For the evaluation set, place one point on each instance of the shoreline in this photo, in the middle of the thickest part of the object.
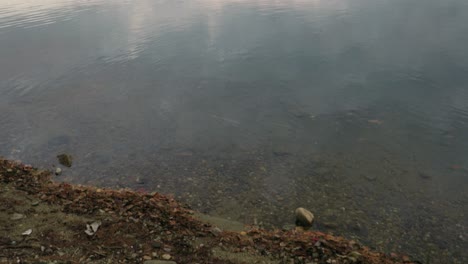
(126, 226)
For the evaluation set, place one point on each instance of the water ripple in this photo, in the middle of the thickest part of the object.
(30, 13)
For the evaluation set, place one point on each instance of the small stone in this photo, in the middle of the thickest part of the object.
(299, 229)
(216, 231)
(424, 176)
(58, 171)
(167, 249)
(146, 257)
(157, 245)
(65, 160)
(166, 256)
(16, 216)
(35, 203)
(27, 232)
(288, 227)
(304, 217)
(243, 233)
(139, 180)
(370, 177)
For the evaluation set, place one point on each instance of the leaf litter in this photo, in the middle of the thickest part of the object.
(133, 227)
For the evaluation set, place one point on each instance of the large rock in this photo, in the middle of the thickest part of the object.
(304, 217)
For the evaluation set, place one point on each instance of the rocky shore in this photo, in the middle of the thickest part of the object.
(46, 222)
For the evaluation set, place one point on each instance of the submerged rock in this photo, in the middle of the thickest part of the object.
(216, 231)
(58, 171)
(16, 216)
(304, 217)
(65, 160)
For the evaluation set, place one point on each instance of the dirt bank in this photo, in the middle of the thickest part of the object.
(45, 222)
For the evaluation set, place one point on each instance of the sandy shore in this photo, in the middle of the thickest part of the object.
(46, 222)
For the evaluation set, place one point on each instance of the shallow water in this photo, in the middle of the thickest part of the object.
(355, 109)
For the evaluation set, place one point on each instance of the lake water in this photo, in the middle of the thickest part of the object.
(354, 109)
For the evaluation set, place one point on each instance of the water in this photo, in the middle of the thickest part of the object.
(355, 109)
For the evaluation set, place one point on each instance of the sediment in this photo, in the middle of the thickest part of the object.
(140, 227)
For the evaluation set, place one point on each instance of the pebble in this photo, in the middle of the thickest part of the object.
(288, 227)
(139, 180)
(424, 176)
(166, 256)
(65, 160)
(156, 245)
(58, 171)
(370, 177)
(304, 217)
(216, 231)
(16, 216)
(27, 232)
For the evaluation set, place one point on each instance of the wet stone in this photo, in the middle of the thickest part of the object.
(156, 245)
(16, 216)
(65, 160)
(370, 177)
(216, 231)
(288, 227)
(424, 175)
(304, 217)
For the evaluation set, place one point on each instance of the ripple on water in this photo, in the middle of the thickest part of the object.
(33, 13)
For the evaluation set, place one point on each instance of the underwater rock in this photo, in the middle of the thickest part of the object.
(65, 160)
(424, 176)
(304, 217)
(58, 171)
(216, 231)
(16, 216)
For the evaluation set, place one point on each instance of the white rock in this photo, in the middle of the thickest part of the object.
(304, 217)
(58, 171)
(27, 232)
(95, 226)
(92, 228)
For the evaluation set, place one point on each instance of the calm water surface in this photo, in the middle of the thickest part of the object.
(355, 109)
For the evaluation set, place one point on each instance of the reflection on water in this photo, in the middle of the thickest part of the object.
(357, 110)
